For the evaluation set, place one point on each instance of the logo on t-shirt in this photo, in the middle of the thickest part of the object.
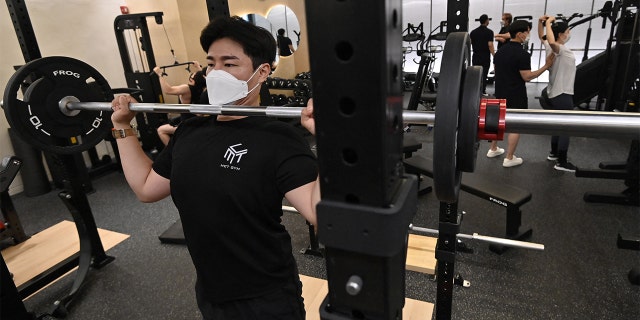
(234, 153)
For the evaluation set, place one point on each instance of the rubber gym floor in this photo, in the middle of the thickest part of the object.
(581, 274)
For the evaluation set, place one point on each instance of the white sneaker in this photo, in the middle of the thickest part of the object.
(497, 152)
(512, 163)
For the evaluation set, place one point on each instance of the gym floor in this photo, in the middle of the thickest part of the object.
(581, 274)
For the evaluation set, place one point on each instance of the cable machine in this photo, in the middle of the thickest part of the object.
(138, 61)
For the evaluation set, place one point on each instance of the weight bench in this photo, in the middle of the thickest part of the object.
(502, 194)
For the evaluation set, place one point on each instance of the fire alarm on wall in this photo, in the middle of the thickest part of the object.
(124, 9)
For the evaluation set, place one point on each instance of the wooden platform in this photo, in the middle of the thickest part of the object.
(47, 248)
(314, 291)
(421, 254)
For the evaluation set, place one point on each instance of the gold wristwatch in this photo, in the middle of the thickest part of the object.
(123, 133)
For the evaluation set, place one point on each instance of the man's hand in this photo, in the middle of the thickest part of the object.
(306, 118)
(157, 71)
(122, 116)
(549, 60)
(197, 65)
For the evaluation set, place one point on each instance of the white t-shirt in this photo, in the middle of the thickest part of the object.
(562, 73)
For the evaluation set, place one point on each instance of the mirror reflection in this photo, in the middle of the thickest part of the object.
(285, 28)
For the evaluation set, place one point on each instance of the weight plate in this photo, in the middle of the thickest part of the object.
(37, 117)
(468, 142)
(455, 59)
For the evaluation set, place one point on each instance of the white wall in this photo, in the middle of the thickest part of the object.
(431, 12)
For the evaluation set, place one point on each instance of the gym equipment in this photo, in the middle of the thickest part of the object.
(138, 60)
(357, 206)
(164, 73)
(625, 170)
(493, 240)
(55, 115)
(507, 196)
(10, 227)
(72, 171)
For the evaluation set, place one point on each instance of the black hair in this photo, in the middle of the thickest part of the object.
(281, 32)
(518, 26)
(257, 42)
(559, 27)
(198, 79)
(483, 18)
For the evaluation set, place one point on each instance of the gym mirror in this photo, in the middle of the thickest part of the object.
(282, 17)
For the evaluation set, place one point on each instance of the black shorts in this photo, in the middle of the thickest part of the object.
(283, 304)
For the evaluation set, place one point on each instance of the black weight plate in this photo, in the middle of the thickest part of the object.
(455, 59)
(37, 117)
(468, 142)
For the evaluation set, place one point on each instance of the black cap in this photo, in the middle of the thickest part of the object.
(483, 18)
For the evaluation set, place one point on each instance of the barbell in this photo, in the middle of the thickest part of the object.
(493, 240)
(56, 113)
(66, 109)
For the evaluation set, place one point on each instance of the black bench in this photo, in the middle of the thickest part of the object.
(499, 193)
(410, 145)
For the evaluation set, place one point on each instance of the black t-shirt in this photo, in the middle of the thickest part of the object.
(502, 31)
(480, 38)
(283, 46)
(508, 61)
(228, 180)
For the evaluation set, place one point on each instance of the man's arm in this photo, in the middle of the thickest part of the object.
(502, 37)
(306, 198)
(136, 165)
(169, 89)
(528, 75)
(491, 49)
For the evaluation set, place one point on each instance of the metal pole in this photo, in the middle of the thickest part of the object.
(571, 123)
(475, 236)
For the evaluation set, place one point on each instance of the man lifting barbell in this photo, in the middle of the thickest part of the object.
(227, 175)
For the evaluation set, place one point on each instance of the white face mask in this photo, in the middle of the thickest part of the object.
(502, 23)
(224, 88)
(527, 38)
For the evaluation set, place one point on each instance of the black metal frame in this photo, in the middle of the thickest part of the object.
(147, 84)
(13, 227)
(74, 179)
(362, 217)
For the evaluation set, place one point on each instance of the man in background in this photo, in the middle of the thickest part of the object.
(482, 45)
(503, 35)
